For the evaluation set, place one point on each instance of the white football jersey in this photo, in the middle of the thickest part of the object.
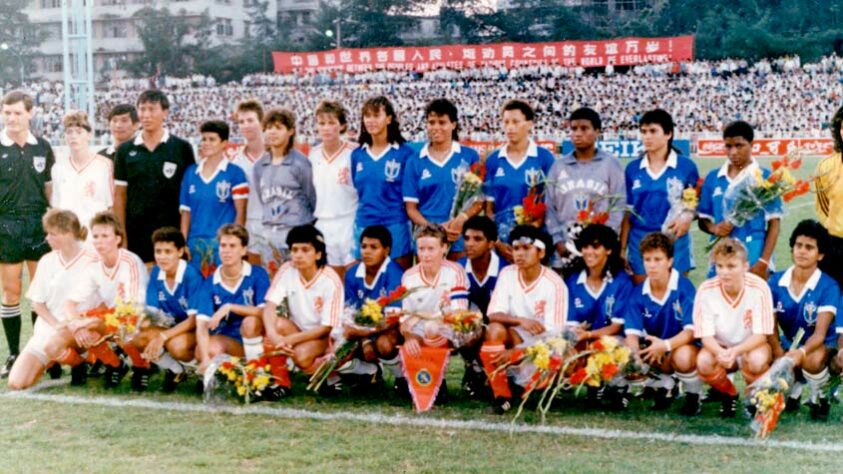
(54, 277)
(448, 289)
(101, 285)
(730, 321)
(336, 195)
(314, 303)
(85, 191)
(545, 299)
(238, 156)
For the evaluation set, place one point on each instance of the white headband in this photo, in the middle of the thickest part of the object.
(537, 243)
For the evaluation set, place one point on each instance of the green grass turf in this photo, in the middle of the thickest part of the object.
(42, 436)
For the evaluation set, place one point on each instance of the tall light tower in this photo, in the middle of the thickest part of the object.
(76, 33)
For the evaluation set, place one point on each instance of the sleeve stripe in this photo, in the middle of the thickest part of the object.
(184, 208)
(118, 182)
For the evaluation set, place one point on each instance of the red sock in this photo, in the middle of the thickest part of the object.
(499, 384)
(134, 354)
(70, 357)
(105, 354)
(278, 367)
(719, 381)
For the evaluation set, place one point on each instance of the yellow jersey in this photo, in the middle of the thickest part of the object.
(829, 197)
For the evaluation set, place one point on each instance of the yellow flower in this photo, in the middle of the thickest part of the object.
(783, 384)
(557, 344)
(372, 311)
(786, 176)
(540, 355)
(241, 390)
(260, 382)
(689, 198)
(471, 178)
(609, 343)
(621, 355)
(519, 214)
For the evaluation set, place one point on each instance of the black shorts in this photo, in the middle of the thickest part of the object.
(22, 238)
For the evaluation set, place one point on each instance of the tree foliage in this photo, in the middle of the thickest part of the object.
(20, 37)
(173, 44)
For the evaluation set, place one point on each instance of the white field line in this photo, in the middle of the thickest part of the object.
(416, 421)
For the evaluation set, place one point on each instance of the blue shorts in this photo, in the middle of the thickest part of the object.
(402, 241)
(683, 257)
(230, 328)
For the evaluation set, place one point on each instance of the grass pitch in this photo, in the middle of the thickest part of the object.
(55, 433)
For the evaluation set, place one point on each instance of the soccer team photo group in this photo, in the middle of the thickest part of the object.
(455, 266)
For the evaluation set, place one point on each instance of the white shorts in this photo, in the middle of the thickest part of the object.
(339, 239)
(270, 242)
(37, 344)
(255, 229)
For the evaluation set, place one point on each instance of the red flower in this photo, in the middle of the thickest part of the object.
(600, 218)
(227, 365)
(796, 164)
(777, 164)
(382, 301)
(578, 377)
(609, 371)
(582, 216)
(479, 169)
(250, 376)
(803, 187)
(597, 346)
(555, 363)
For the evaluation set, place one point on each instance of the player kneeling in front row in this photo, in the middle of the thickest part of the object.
(660, 310)
(173, 291)
(529, 301)
(231, 301)
(48, 291)
(806, 298)
(733, 315)
(376, 276)
(312, 293)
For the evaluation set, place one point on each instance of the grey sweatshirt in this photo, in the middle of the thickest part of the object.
(285, 190)
(572, 183)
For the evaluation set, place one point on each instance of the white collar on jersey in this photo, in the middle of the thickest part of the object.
(392, 146)
(455, 148)
(672, 285)
(532, 150)
(139, 137)
(162, 275)
(493, 271)
(247, 270)
(361, 272)
(724, 170)
(6, 141)
(222, 166)
(811, 284)
(672, 160)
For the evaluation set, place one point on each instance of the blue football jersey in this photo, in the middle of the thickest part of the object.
(712, 206)
(211, 202)
(507, 185)
(480, 292)
(821, 294)
(598, 309)
(378, 181)
(251, 291)
(178, 302)
(644, 315)
(387, 280)
(646, 193)
(432, 185)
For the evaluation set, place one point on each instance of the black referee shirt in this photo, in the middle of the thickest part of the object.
(153, 181)
(24, 172)
(110, 152)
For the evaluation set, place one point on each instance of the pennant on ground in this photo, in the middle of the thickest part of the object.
(424, 374)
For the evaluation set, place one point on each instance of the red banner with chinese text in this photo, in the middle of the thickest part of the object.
(619, 52)
(769, 146)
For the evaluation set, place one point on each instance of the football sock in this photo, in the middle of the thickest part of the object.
(691, 381)
(70, 357)
(498, 383)
(358, 367)
(253, 347)
(167, 362)
(134, 354)
(720, 381)
(394, 366)
(11, 326)
(817, 383)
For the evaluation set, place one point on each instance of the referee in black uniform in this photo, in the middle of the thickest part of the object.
(123, 123)
(147, 176)
(25, 166)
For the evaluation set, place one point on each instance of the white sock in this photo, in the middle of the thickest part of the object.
(167, 362)
(795, 391)
(691, 381)
(817, 383)
(358, 367)
(253, 347)
(394, 366)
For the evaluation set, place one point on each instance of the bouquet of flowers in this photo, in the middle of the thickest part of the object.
(532, 208)
(462, 327)
(682, 199)
(585, 217)
(206, 256)
(753, 193)
(369, 315)
(767, 393)
(247, 379)
(606, 359)
(121, 322)
(277, 257)
(469, 189)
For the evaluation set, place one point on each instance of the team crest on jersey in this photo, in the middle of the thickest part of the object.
(318, 304)
(183, 303)
(360, 294)
(223, 190)
(500, 173)
(677, 310)
(747, 319)
(581, 202)
(425, 174)
(610, 306)
(647, 313)
(39, 163)
(191, 189)
(533, 176)
(344, 177)
(809, 313)
(636, 184)
(391, 170)
(161, 296)
(169, 169)
(90, 189)
(779, 307)
(458, 172)
(359, 167)
(539, 308)
(249, 296)
(578, 303)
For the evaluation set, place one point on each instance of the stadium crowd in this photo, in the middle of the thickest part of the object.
(778, 97)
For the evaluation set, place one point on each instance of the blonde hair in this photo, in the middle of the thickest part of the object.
(64, 221)
(108, 218)
(728, 247)
(76, 118)
(432, 230)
